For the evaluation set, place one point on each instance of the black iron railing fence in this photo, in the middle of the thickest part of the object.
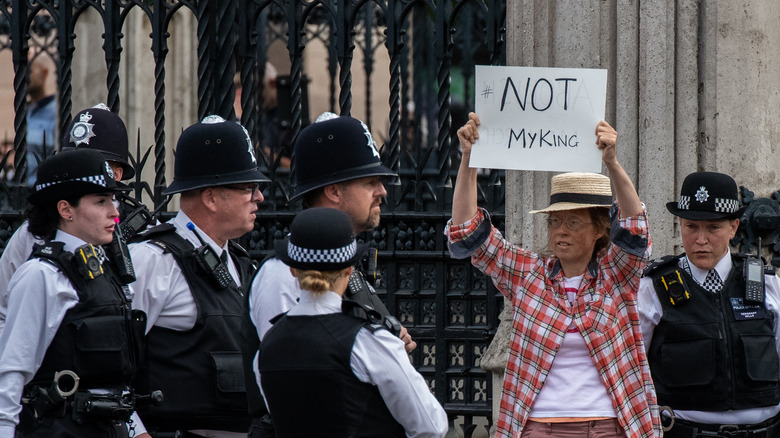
(431, 48)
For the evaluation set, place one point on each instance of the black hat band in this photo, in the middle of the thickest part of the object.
(580, 198)
(721, 205)
(93, 179)
(331, 255)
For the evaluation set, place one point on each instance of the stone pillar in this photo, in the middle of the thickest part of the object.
(691, 86)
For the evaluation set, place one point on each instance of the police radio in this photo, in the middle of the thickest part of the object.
(120, 256)
(209, 261)
(754, 276)
(754, 280)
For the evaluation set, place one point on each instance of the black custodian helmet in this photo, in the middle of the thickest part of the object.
(334, 149)
(212, 153)
(100, 129)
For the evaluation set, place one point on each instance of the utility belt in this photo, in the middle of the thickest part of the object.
(690, 429)
(64, 397)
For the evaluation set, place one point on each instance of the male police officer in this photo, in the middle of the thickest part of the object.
(335, 164)
(193, 282)
(92, 128)
(710, 322)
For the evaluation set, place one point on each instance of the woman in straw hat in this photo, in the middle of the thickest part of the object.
(68, 350)
(327, 373)
(576, 363)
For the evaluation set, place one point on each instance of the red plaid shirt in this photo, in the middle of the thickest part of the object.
(605, 314)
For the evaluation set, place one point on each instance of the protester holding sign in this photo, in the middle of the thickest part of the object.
(576, 362)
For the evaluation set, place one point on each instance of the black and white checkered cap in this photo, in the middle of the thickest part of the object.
(707, 196)
(335, 255)
(72, 173)
(92, 179)
(320, 239)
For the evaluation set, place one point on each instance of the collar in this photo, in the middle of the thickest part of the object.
(41, 103)
(317, 303)
(71, 242)
(593, 267)
(181, 220)
(723, 268)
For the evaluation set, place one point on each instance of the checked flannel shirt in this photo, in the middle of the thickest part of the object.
(605, 314)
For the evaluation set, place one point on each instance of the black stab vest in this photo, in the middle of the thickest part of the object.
(201, 371)
(703, 358)
(100, 338)
(310, 388)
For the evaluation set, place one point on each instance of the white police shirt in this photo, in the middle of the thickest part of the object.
(650, 312)
(39, 296)
(16, 252)
(379, 358)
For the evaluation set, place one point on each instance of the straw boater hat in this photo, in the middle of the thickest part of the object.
(574, 190)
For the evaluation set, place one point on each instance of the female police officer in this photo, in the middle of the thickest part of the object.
(325, 372)
(69, 347)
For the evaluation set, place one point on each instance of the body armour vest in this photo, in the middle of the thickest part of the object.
(714, 351)
(310, 387)
(200, 371)
(100, 338)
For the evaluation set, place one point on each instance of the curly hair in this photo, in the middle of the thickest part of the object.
(43, 220)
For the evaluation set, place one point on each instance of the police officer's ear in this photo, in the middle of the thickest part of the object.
(65, 209)
(734, 226)
(333, 194)
(208, 198)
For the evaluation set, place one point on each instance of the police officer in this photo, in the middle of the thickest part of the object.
(69, 348)
(325, 372)
(335, 164)
(710, 322)
(193, 283)
(92, 128)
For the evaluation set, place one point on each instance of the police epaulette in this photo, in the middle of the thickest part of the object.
(160, 245)
(151, 232)
(654, 264)
(48, 250)
(373, 320)
(769, 270)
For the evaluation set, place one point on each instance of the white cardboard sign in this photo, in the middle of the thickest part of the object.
(537, 118)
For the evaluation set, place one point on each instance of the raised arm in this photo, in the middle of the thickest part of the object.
(606, 139)
(464, 197)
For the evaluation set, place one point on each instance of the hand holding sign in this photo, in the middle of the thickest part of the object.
(539, 118)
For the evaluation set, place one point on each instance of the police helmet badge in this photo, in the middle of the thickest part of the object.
(81, 131)
(371, 142)
(702, 195)
(109, 170)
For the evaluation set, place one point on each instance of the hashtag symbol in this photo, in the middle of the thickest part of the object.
(487, 91)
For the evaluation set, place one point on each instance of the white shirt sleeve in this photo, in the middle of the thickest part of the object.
(772, 300)
(39, 297)
(16, 252)
(650, 310)
(274, 291)
(379, 358)
(160, 289)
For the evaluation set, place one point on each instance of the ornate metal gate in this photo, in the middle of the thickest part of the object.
(451, 310)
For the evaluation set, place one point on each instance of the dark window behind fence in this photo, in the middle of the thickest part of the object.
(432, 47)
